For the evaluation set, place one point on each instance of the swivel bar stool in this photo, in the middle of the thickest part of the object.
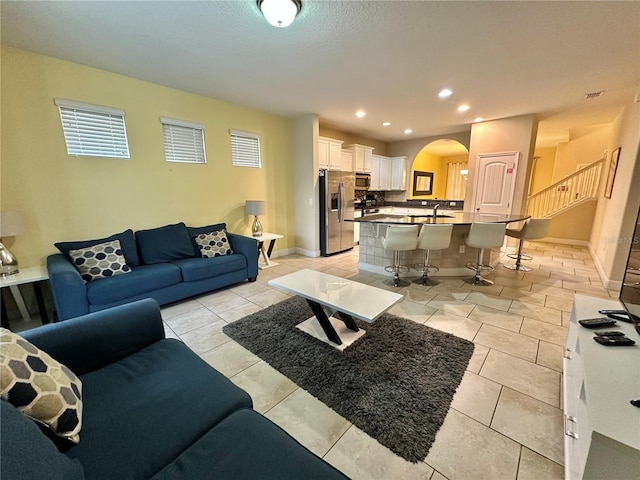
(432, 237)
(533, 229)
(481, 236)
(399, 238)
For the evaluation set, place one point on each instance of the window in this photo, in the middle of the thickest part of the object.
(183, 141)
(245, 149)
(92, 130)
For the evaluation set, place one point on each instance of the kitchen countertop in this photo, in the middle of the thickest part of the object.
(450, 217)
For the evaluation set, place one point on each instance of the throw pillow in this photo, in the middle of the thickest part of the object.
(213, 244)
(126, 239)
(195, 231)
(39, 386)
(164, 244)
(99, 261)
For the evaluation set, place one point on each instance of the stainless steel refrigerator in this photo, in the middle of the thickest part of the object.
(337, 192)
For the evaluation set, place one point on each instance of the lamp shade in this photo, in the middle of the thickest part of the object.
(255, 207)
(10, 224)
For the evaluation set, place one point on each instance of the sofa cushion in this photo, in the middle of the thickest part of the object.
(146, 409)
(28, 454)
(248, 446)
(194, 269)
(164, 244)
(126, 239)
(39, 386)
(195, 231)
(140, 280)
(213, 244)
(103, 260)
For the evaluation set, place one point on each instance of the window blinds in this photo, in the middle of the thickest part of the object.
(183, 141)
(92, 130)
(245, 149)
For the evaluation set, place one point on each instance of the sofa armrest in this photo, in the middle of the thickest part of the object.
(248, 247)
(92, 341)
(68, 288)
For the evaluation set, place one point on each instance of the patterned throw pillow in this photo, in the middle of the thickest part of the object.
(213, 244)
(100, 261)
(39, 386)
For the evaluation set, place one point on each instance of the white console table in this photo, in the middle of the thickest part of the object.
(266, 256)
(602, 429)
(33, 275)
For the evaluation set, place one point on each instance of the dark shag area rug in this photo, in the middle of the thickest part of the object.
(395, 383)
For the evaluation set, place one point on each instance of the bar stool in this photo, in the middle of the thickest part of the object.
(399, 238)
(533, 229)
(481, 236)
(432, 237)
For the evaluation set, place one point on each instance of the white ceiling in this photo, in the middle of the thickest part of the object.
(389, 58)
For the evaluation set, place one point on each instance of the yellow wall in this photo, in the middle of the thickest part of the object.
(428, 162)
(71, 198)
(584, 149)
(542, 175)
(379, 147)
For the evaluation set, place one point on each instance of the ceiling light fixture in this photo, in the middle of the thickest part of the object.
(386, 124)
(445, 93)
(280, 13)
(360, 114)
(408, 131)
(478, 119)
(463, 108)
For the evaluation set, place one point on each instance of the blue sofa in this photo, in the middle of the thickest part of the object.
(165, 264)
(152, 409)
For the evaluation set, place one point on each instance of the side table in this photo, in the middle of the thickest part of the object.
(271, 238)
(33, 275)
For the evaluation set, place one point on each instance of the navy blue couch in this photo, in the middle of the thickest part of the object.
(165, 263)
(152, 409)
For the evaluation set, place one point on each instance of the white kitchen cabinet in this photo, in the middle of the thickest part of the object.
(356, 227)
(329, 153)
(380, 173)
(361, 157)
(601, 427)
(346, 161)
(398, 173)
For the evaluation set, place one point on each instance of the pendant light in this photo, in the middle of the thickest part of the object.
(280, 13)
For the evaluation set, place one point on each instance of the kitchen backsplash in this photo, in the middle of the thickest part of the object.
(387, 198)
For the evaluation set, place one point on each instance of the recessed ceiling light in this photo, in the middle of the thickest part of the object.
(408, 131)
(444, 93)
(463, 108)
(386, 124)
(360, 114)
(478, 119)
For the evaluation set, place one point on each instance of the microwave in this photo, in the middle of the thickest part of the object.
(363, 181)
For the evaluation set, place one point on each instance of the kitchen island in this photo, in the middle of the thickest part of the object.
(452, 261)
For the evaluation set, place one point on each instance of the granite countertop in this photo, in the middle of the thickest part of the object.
(450, 217)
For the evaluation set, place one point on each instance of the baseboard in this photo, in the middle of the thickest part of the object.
(566, 241)
(307, 253)
(606, 281)
(283, 252)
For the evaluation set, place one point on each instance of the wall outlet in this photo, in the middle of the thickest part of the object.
(424, 202)
(452, 204)
(461, 249)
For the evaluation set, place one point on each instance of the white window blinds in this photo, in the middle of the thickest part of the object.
(183, 141)
(93, 130)
(245, 149)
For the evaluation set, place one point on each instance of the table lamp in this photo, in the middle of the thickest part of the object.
(255, 208)
(10, 226)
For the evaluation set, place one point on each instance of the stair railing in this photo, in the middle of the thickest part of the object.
(572, 190)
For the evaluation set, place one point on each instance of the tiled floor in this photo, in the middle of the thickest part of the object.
(505, 421)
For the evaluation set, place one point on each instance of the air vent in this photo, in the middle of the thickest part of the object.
(593, 95)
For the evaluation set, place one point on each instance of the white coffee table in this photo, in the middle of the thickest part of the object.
(327, 294)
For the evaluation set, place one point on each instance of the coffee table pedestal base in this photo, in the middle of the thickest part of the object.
(312, 327)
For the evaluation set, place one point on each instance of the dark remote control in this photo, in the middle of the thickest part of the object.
(623, 318)
(614, 341)
(597, 322)
(618, 312)
(610, 333)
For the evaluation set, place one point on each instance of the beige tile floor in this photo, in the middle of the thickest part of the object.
(505, 421)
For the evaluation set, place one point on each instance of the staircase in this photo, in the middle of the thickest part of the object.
(575, 189)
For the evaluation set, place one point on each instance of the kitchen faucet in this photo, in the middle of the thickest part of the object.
(435, 212)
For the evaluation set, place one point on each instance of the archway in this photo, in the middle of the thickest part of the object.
(445, 159)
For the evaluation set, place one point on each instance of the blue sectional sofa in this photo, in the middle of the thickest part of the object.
(163, 263)
(151, 409)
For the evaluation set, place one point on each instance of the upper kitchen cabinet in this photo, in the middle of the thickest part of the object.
(398, 173)
(361, 157)
(380, 173)
(346, 161)
(329, 153)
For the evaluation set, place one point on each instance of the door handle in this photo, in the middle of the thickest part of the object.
(340, 202)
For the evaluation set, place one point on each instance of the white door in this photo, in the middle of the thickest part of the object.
(495, 182)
